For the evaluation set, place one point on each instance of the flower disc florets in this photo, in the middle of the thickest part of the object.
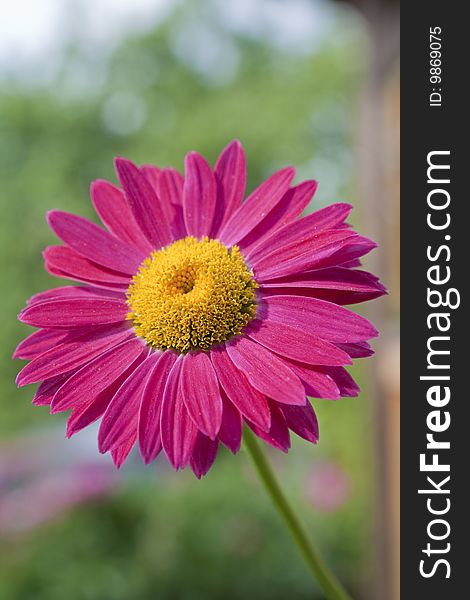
(191, 295)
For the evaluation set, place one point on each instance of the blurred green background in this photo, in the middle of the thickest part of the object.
(151, 81)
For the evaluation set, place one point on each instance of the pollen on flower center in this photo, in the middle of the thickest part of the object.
(191, 295)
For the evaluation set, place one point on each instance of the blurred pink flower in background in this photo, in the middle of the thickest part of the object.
(327, 486)
(39, 482)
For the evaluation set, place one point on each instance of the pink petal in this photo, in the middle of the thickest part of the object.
(339, 297)
(121, 417)
(200, 390)
(246, 399)
(89, 409)
(291, 205)
(120, 454)
(94, 243)
(178, 431)
(47, 389)
(145, 206)
(351, 264)
(203, 456)
(97, 375)
(75, 312)
(346, 384)
(334, 278)
(323, 319)
(230, 175)
(296, 343)
(113, 210)
(300, 230)
(74, 266)
(331, 216)
(256, 206)
(150, 409)
(353, 249)
(266, 372)
(73, 291)
(199, 195)
(357, 350)
(317, 383)
(152, 174)
(39, 342)
(170, 190)
(72, 353)
(230, 433)
(86, 413)
(95, 285)
(344, 298)
(302, 420)
(302, 255)
(168, 186)
(350, 287)
(278, 434)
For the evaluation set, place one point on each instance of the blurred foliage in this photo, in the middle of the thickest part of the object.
(177, 538)
(172, 537)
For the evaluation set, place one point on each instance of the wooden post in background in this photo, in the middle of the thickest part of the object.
(377, 146)
(378, 159)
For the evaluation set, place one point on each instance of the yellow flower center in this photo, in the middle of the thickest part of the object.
(191, 295)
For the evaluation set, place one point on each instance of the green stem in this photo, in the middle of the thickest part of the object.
(332, 589)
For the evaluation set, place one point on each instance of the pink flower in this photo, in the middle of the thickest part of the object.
(198, 311)
(327, 486)
(32, 494)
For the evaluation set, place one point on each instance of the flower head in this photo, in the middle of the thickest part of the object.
(198, 311)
